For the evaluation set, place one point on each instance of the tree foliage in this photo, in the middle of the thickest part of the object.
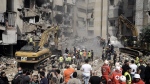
(145, 36)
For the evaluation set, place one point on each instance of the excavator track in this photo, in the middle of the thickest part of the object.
(131, 52)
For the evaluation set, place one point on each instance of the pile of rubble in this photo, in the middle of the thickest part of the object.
(8, 65)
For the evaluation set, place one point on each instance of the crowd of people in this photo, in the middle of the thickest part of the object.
(75, 68)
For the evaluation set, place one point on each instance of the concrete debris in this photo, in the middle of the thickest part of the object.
(9, 66)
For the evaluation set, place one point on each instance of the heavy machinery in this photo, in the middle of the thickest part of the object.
(134, 46)
(128, 24)
(31, 55)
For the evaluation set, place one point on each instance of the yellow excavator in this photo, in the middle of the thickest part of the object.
(131, 41)
(124, 20)
(31, 55)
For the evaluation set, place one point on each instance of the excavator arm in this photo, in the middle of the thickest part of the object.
(45, 36)
(128, 24)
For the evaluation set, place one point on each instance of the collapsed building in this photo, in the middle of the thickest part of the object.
(20, 19)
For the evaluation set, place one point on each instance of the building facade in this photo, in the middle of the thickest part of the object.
(136, 11)
(116, 8)
(91, 18)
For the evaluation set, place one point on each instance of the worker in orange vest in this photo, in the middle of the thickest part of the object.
(84, 54)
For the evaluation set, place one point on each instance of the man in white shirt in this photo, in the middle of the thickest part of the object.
(86, 71)
(133, 67)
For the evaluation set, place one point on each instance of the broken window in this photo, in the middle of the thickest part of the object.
(27, 3)
(10, 5)
(59, 8)
(112, 22)
(37, 18)
(69, 9)
(111, 2)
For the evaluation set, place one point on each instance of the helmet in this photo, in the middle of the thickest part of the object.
(117, 64)
(137, 76)
(106, 62)
(117, 68)
(122, 78)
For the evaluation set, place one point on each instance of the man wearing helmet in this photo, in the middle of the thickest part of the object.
(122, 80)
(117, 64)
(137, 79)
(105, 69)
(115, 75)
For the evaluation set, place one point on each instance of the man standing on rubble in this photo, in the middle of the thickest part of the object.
(81, 55)
(92, 54)
(84, 55)
(89, 55)
(61, 59)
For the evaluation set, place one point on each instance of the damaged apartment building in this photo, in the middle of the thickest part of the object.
(20, 19)
(136, 11)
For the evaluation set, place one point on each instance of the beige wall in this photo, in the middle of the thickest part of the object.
(105, 19)
(100, 21)
(97, 18)
(19, 22)
(2, 6)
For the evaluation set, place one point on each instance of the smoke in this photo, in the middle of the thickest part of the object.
(83, 43)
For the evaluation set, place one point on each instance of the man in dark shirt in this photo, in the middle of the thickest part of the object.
(66, 51)
(141, 70)
(115, 57)
(43, 78)
(95, 79)
(92, 54)
(125, 66)
(147, 72)
(49, 75)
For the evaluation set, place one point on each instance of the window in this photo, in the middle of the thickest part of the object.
(90, 32)
(59, 8)
(111, 2)
(69, 9)
(91, 23)
(27, 3)
(112, 22)
(131, 2)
